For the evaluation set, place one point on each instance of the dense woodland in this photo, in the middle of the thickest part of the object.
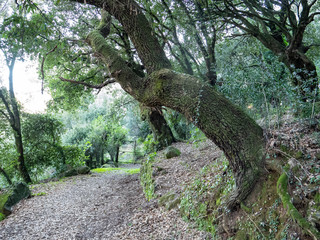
(128, 78)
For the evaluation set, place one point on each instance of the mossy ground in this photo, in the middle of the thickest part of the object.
(263, 215)
(103, 170)
(201, 199)
(132, 171)
(126, 170)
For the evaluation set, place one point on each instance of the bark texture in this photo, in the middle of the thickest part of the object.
(226, 125)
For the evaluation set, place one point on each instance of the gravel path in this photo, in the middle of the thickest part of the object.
(109, 206)
(82, 207)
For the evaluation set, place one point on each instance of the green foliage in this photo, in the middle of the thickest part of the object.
(200, 200)
(98, 128)
(146, 180)
(178, 124)
(15, 42)
(8, 155)
(74, 155)
(255, 79)
(149, 144)
(3, 200)
(41, 137)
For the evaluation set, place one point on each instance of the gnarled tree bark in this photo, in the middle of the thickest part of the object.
(225, 124)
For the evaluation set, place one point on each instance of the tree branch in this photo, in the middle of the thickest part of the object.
(105, 83)
(42, 65)
(5, 115)
(6, 104)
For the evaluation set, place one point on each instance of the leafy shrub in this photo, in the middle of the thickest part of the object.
(149, 145)
(200, 199)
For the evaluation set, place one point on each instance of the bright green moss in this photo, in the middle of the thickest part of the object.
(102, 170)
(2, 216)
(3, 200)
(132, 171)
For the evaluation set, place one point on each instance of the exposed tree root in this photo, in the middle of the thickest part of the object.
(282, 189)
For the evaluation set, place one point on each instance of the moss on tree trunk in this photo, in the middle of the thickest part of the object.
(225, 124)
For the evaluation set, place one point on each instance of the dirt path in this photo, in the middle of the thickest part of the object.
(109, 206)
(82, 207)
(104, 206)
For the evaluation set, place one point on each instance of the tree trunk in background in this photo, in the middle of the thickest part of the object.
(159, 127)
(4, 173)
(117, 156)
(304, 74)
(102, 156)
(16, 126)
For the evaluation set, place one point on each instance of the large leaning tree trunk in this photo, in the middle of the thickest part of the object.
(13, 117)
(225, 124)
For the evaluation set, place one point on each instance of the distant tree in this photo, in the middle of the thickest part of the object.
(280, 26)
(8, 154)
(41, 136)
(99, 128)
(14, 44)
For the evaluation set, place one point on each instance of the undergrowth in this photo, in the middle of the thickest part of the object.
(146, 177)
(200, 200)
